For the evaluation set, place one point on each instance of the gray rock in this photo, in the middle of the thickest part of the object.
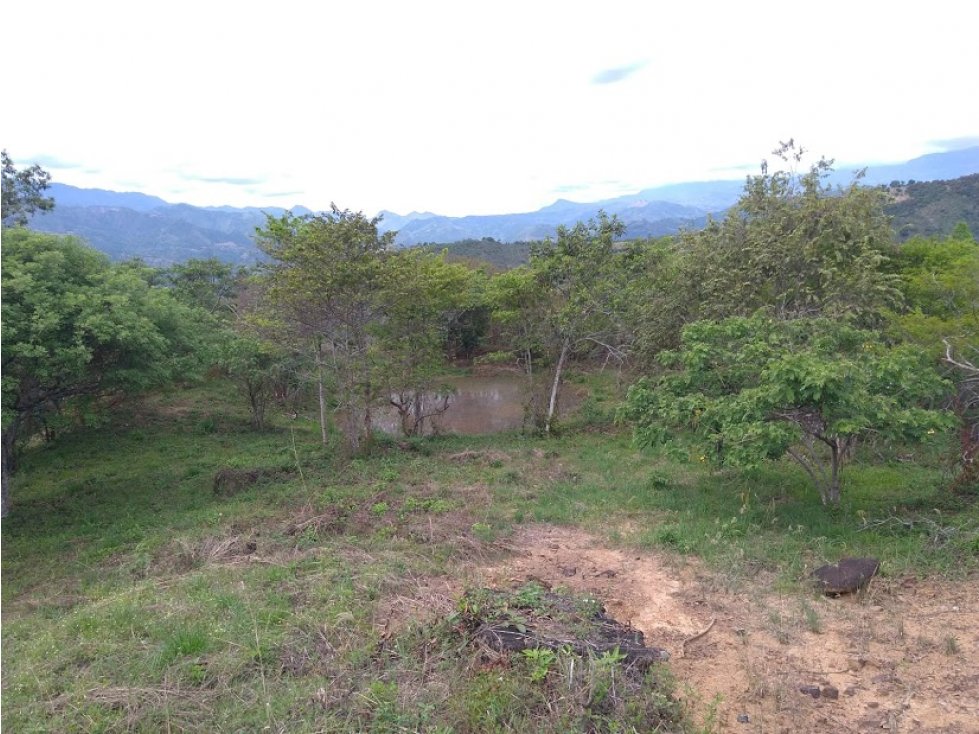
(810, 691)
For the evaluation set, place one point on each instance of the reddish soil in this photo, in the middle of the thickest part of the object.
(902, 657)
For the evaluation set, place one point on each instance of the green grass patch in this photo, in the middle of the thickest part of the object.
(136, 598)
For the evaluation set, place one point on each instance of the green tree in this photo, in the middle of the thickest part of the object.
(422, 296)
(752, 389)
(76, 327)
(569, 300)
(210, 284)
(255, 365)
(793, 247)
(940, 280)
(23, 192)
(321, 290)
(374, 319)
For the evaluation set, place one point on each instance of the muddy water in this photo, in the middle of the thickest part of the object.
(478, 405)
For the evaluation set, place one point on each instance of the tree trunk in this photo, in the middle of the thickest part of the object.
(256, 400)
(838, 451)
(368, 420)
(324, 432)
(418, 408)
(9, 438)
(555, 386)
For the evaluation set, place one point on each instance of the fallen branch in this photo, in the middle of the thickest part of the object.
(702, 633)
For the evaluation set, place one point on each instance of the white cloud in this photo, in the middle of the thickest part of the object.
(459, 108)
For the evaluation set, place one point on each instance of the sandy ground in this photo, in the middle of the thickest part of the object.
(903, 657)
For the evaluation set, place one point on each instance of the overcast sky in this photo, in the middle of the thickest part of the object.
(468, 108)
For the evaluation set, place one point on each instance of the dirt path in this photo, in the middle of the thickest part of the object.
(903, 658)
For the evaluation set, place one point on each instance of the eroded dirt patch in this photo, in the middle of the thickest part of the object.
(900, 658)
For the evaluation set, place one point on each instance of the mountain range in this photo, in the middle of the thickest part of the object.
(132, 224)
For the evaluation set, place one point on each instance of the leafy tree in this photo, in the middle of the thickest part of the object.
(752, 389)
(570, 299)
(658, 300)
(519, 308)
(373, 318)
(23, 192)
(210, 284)
(940, 279)
(793, 247)
(321, 290)
(421, 297)
(255, 365)
(76, 327)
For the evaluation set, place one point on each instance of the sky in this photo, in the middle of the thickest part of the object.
(472, 107)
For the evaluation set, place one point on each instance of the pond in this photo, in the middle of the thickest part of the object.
(479, 404)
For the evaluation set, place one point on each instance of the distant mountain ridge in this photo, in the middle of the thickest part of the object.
(664, 209)
(131, 224)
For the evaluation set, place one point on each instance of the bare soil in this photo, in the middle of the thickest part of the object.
(901, 657)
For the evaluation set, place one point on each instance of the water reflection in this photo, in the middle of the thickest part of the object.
(479, 405)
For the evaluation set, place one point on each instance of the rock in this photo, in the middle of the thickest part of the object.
(846, 576)
(810, 691)
(830, 692)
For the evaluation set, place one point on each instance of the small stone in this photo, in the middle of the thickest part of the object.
(850, 691)
(873, 704)
(831, 692)
(810, 691)
(744, 719)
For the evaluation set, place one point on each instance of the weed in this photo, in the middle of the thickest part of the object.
(539, 659)
(389, 475)
(813, 622)
(951, 645)
(483, 532)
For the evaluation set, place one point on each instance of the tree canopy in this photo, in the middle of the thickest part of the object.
(75, 326)
(373, 318)
(757, 388)
(23, 192)
(794, 247)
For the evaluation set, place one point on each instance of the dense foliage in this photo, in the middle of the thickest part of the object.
(23, 192)
(799, 290)
(77, 328)
(372, 318)
(756, 389)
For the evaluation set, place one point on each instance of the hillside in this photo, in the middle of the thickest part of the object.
(929, 208)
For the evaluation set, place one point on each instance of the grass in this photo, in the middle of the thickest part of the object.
(136, 599)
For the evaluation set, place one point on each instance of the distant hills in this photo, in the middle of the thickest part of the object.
(929, 208)
(130, 224)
